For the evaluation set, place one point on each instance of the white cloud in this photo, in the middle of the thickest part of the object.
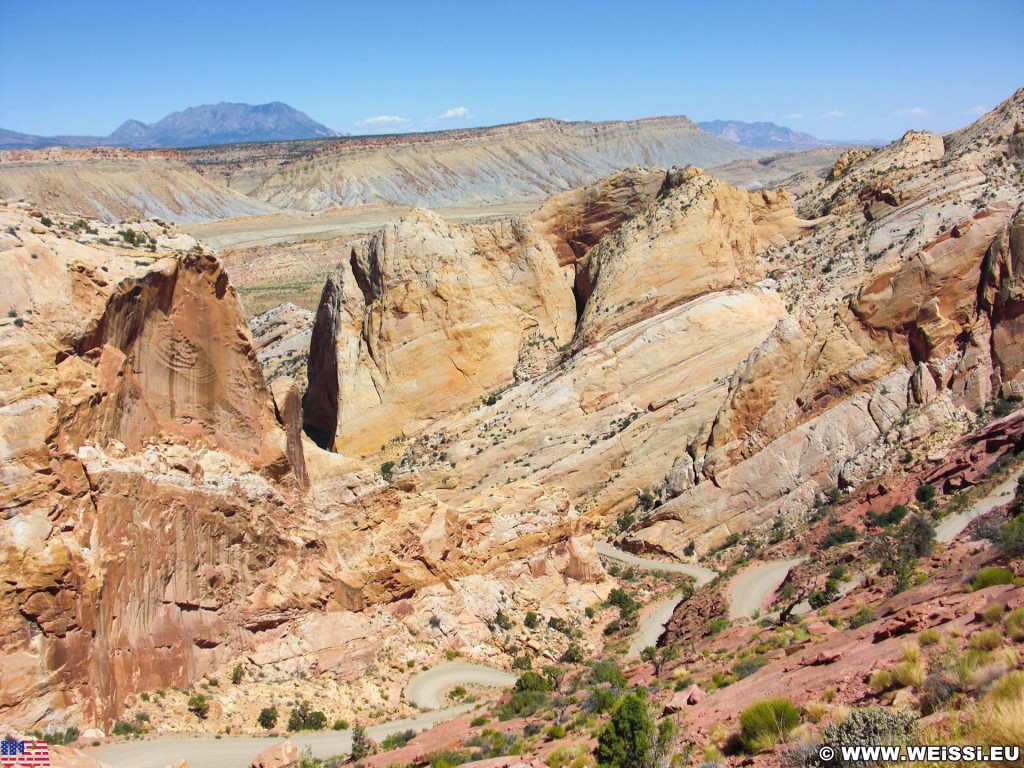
(911, 112)
(456, 112)
(978, 110)
(384, 120)
(835, 113)
(797, 116)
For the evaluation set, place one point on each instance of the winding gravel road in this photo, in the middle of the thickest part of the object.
(751, 587)
(656, 616)
(702, 575)
(426, 688)
(240, 751)
(949, 527)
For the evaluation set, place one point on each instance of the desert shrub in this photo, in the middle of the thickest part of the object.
(362, 746)
(842, 535)
(815, 711)
(926, 495)
(532, 681)
(625, 602)
(199, 706)
(387, 471)
(564, 756)
(522, 704)
(608, 672)
(985, 639)
(748, 666)
(1014, 623)
(556, 731)
(340, 725)
(819, 598)
(993, 614)
(236, 674)
(990, 577)
(868, 726)
(917, 537)
(502, 621)
(1011, 537)
(628, 739)
(766, 723)
(572, 655)
(397, 740)
(717, 625)
(601, 700)
(479, 720)
(267, 718)
(305, 718)
(800, 754)
(123, 728)
(864, 616)
(937, 689)
(886, 519)
(908, 674)
(531, 620)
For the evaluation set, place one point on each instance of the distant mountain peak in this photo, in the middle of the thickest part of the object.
(761, 134)
(205, 124)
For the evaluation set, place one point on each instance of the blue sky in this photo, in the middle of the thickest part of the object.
(864, 69)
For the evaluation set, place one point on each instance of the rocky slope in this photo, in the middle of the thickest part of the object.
(710, 344)
(119, 184)
(164, 519)
(523, 161)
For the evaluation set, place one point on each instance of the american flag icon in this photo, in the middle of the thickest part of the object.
(24, 753)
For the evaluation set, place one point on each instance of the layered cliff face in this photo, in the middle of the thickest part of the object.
(164, 517)
(894, 339)
(736, 357)
(142, 464)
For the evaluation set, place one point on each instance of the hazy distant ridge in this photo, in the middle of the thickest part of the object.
(204, 125)
(762, 135)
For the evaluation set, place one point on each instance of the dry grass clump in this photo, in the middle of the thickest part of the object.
(908, 674)
(928, 637)
(985, 639)
(1014, 623)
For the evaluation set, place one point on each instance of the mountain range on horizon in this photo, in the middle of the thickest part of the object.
(207, 124)
(234, 123)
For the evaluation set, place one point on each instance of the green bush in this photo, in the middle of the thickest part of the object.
(522, 704)
(502, 621)
(1014, 623)
(479, 720)
(717, 625)
(886, 519)
(628, 739)
(199, 706)
(1011, 537)
(531, 681)
(841, 535)
(608, 672)
(340, 725)
(532, 620)
(926, 495)
(748, 666)
(361, 744)
(236, 674)
(766, 723)
(556, 731)
(397, 740)
(387, 470)
(267, 718)
(305, 718)
(990, 577)
(864, 616)
(868, 726)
